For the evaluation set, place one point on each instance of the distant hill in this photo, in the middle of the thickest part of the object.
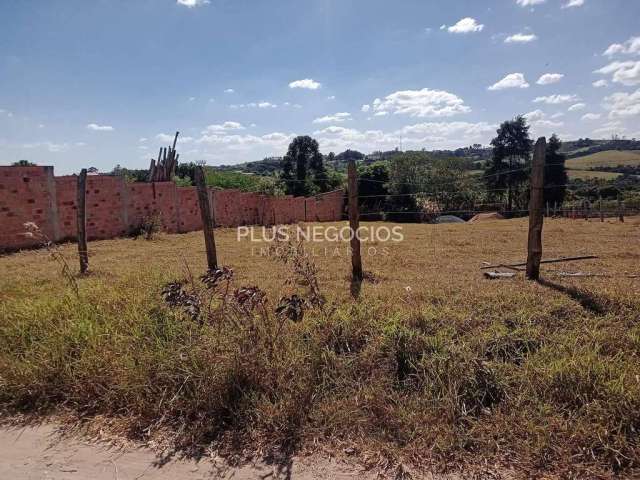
(609, 158)
(271, 165)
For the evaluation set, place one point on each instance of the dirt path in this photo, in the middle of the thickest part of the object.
(37, 453)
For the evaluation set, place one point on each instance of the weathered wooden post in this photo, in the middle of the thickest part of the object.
(81, 215)
(354, 222)
(547, 209)
(536, 216)
(600, 208)
(208, 221)
(620, 210)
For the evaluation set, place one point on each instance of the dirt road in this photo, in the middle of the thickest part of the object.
(37, 453)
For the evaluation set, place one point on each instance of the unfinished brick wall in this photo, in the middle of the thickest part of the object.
(115, 207)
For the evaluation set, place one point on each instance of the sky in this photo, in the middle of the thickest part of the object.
(105, 82)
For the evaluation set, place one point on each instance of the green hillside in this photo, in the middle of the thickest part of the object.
(609, 158)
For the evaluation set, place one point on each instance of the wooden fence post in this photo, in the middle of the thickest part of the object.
(620, 210)
(536, 215)
(354, 222)
(208, 222)
(81, 213)
(600, 207)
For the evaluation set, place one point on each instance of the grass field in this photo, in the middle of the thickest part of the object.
(432, 365)
(587, 174)
(611, 158)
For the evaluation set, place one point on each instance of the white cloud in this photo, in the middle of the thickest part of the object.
(549, 78)
(331, 97)
(577, 107)
(192, 3)
(421, 103)
(142, 139)
(466, 25)
(338, 117)
(573, 3)
(229, 90)
(50, 146)
(435, 134)
(529, 3)
(591, 116)
(623, 104)
(513, 80)
(307, 83)
(262, 104)
(600, 83)
(539, 121)
(610, 128)
(365, 108)
(630, 47)
(521, 38)
(556, 99)
(99, 128)
(191, 99)
(627, 73)
(557, 115)
(225, 127)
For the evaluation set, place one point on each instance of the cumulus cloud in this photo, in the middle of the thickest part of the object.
(630, 47)
(307, 83)
(539, 121)
(513, 80)
(573, 3)
(100, 128)
(549, 78)
(229, 90)
(577, 107)
(192, 3)
(466, 25)
(421, 103)
(521, 38)
(366, 108)
(337, 117)
(627, 73)
(591, 116)
(556, 99)
(623, 104)
(529, 3)
(600, 83)
(438, 134)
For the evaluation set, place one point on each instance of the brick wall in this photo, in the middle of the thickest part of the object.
(114, 207)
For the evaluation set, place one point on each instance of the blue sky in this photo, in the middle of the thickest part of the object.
(101, 82)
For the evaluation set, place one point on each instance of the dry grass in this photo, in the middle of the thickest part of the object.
(611, 158)
(432, 364)
(587, 174)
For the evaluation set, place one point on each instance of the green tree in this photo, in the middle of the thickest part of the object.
(408, 177)
(372, 187)
(506, 171)
(23, 163)
(303, 170)
(555, 174)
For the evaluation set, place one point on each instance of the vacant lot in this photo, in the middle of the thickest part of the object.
(432, 365)
(611, 158)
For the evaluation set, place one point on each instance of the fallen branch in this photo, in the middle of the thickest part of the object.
(553, 260)
(498, 275)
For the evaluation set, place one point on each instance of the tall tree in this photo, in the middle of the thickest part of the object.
(555, 175)
(372, 187)
(303, 168)
(506, 171)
